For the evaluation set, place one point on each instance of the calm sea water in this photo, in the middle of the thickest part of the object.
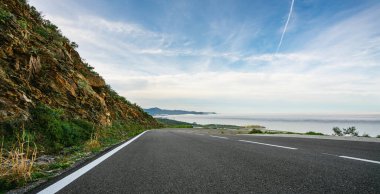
(369, 124)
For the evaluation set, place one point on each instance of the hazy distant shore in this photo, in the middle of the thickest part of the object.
(366, 124)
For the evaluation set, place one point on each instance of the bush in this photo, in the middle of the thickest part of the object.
(116, 96)
(50, 25)
(23, 24)
(313, 133)
(74, 134)
(365, 135)
(54, 132)
(350, 131)
(42, 32)
(337, 131)
(7, 131)
(255, 131)
(5, 15)
(75, 45)
(35, 13)
(378, 136)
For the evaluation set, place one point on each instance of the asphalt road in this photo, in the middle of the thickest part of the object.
(170, 161)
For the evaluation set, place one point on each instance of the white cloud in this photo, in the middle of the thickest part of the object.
(354, 41)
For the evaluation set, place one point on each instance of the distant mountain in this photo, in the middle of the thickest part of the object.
(157, 111)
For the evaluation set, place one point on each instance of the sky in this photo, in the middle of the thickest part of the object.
(231, 56)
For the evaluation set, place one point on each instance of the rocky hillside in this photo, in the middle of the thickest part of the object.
(38, 65)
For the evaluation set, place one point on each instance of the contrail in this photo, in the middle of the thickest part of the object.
(286, 26)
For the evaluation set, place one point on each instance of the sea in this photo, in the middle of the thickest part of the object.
(323, 123)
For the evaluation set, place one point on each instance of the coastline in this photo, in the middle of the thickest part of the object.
(329, 137)
(365, 124)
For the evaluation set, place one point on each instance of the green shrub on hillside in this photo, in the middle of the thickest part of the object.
(55, 132)
(118, 131)
(115, 95)
(8, 131)
(5, 15)
(75, 45)
(42, 32)
(50, 25)
(22, 23)
(52, 132)
(36, 14)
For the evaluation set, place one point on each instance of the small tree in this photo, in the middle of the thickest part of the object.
(337, 131)
(351, 131)
(74, 45)
(366, 135)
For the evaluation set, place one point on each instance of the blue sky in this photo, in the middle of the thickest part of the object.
(220, 55)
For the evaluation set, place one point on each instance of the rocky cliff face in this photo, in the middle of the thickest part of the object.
(39, 65)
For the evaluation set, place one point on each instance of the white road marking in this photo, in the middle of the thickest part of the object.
(70, 178)
(268, 144)
(218, 137)
(360, 159)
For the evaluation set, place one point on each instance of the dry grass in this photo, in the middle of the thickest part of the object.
(3, 170)
(93, 144)
(17, 163)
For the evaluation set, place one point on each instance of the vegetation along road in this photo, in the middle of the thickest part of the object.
(189, 161)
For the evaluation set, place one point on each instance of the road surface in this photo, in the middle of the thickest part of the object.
(187, 161)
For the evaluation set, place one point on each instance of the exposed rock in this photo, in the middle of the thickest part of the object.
(34, 65)
(17, 64)
(44, 159)
(65, 84)
(26, 98)
(96, 81)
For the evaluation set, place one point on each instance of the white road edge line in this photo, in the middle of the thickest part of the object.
(268, 144)
(218, 137)
(360, 159)
(70, 178)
